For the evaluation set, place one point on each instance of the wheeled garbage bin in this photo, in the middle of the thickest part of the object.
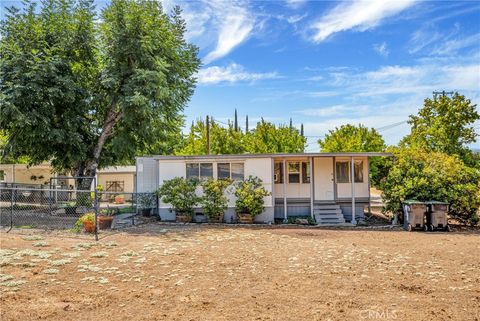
(414, 215)
(437, 216)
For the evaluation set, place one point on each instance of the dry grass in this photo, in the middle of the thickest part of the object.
(205, 273)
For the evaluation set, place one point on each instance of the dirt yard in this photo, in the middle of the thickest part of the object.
(161, 272)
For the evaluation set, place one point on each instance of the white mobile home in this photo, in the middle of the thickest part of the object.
(325, 186)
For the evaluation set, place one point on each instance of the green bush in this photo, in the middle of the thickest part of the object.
(421, 175)
(214, 201)
(250, 194)
(180, 193)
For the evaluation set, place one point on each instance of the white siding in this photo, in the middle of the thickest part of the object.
(147, 173)
(262, 168)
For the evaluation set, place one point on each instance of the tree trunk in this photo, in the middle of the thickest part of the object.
(89, 169)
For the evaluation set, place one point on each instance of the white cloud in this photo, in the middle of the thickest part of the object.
(381, 49)
(451, 47)
(330, 111)
(236, 27)
(295, 4)
(231, 74)
(359, 15)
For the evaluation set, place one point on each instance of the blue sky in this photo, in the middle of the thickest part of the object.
(325, 63)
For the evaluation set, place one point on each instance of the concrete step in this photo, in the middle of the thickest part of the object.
(326, 207)
(325, 211)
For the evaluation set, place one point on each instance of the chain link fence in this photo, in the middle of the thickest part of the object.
(57, 208)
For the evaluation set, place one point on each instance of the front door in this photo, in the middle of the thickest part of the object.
(324, 182)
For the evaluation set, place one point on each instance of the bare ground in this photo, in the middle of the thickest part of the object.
(158, 272)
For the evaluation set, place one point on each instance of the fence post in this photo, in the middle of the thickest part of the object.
(95, 205)
(11, 209)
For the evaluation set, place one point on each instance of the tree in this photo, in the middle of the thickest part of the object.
(423, 175)
(264, 138)
(267, 138)
(351, 138)
(84, 90)
(445, 124)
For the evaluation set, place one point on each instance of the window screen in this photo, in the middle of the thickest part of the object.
(192, 170)
(305, 172)
(342, 172)
(278, 173)
(358, 171)
(237, 171)
(206, 171)
(223, 170)
(293, 172)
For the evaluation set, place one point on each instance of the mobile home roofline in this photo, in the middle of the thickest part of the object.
(280, 155)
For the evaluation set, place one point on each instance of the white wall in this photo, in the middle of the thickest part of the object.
(344, 190)
(147, 173)
(260, 167)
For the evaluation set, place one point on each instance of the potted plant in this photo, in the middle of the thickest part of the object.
(105, 218)
(119, 199)
(87, 220)
(146, 202)
(181, 194)
(249, 203)
(214, 202)
(70, 208)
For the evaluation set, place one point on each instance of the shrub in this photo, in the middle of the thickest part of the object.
(416, 174)
(180, 193)
(250, 194)
(146, 200)
(87, 217)
(214, 202)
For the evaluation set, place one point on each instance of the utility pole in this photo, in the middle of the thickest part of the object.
(208, 135)
(236, 121)
(443, 93)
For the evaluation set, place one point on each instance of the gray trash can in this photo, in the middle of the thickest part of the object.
(437, 216)
(414, 215)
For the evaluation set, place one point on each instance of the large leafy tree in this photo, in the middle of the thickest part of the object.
(424, 175)
(264, 138)
(445, 124)
(84, 90)
(351, 138)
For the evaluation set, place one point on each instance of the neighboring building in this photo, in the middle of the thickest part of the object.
(113, 179)
(288, 177)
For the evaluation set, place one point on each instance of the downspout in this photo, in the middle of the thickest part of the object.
(369, 194)
(352, 179)
(312, 191)
(285, 191)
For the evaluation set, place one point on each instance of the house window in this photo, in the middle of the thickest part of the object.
(223, 170)
(115, 186)
(201, 171)
(342, 172)
(278, 173)
(358, 171)
(293, 169)
(234, 171)
(206, 171)
(238, 171)
(193, 170)
(305, 172)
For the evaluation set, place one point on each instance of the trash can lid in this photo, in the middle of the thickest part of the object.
(411, 202)
(436, 203)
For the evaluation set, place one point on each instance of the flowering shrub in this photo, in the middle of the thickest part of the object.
(250, 194)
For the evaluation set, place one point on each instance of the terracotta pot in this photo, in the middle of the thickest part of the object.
(183, 218)
(245, 218)
(89, 227)
(218, 219)
(105, 222)
(119, 199)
